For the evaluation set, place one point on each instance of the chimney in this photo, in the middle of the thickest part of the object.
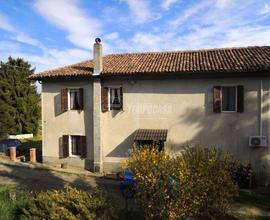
(97, 57)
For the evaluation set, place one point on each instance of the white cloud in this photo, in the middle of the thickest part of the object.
(68, 16)
(223, 3)
(265, 9)
(22, 38)
(111, 36)
(140, 10)
(166, 4)
(5, 24)
(188, 13)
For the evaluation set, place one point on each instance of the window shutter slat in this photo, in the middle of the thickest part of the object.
(81, 99)
(65, 145)
(83, 147)
(104, 99)
(64, 100)
(240, 99)
(121, 98)
(217, 99)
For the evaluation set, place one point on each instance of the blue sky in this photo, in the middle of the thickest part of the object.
(53, 33)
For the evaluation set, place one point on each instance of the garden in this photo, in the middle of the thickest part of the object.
(200, 183)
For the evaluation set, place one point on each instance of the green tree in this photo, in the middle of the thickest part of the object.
(19, 100)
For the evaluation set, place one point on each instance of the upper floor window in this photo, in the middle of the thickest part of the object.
(75, 99)
(71, 99)
(115, 98)
(229, 98)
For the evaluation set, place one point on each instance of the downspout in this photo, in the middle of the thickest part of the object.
(260, 106)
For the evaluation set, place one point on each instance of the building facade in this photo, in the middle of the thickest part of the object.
(93, 112)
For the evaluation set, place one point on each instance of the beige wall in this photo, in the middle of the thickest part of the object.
(184, 107)
(55, 124)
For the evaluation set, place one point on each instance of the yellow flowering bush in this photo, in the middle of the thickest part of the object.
(197, 183)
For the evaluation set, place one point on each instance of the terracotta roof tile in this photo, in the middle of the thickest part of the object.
(245, 59)
(150, 135)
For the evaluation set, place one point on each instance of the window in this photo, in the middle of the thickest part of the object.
(115, 98)
(228, 98)
(71, 99)
(75, 145)
(75, 101)
(150, 143)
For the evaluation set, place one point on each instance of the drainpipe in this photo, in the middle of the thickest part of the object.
(260, 106)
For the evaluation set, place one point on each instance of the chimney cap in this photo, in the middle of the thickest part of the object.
(98, 40)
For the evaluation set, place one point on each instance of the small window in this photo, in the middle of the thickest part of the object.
(228, 97)
(75, 145)
(115, 99)
(75, 99)
(150, 143)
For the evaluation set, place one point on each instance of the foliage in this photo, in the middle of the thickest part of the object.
(197, 183)
(69, 203)
(27, 144)
(243, 175)
(19, 101)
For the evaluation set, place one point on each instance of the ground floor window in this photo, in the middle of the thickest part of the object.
(151, 143)
(75, 142)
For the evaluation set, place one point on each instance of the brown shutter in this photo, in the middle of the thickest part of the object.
(104, 99)
(64, 100)
(83, 147)
(217, 99)
(65, 145)
(121, 98)
(81, 99)
(240, 99)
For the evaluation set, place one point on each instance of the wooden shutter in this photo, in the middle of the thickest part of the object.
(217, 99)
(104, 99)
(240, 99)
(64, 100)
(83, 147)
(121, 98)
(81, 99)
(65, 145)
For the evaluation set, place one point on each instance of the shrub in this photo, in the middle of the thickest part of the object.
(197, 183)
(244, 176)
(69, 203)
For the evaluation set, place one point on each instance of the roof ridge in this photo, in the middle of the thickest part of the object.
(186, 51)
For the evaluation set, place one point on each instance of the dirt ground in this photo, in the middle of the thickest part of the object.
(39, 179)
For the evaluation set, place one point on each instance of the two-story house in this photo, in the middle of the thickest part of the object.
(93, 111)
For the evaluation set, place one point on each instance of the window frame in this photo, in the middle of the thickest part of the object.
(221, 98)
(70, 146)
(109, 97)
(69, 106)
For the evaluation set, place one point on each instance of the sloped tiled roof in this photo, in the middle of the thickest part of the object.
(244, 59)
(150, 135)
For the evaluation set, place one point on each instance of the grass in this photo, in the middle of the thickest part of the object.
(6, 205)
(10, 202)
(34, 142)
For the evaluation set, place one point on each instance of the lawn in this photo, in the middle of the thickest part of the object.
(9, 204)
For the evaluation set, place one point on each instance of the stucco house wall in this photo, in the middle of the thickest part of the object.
(185, 108)
(72, 122)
